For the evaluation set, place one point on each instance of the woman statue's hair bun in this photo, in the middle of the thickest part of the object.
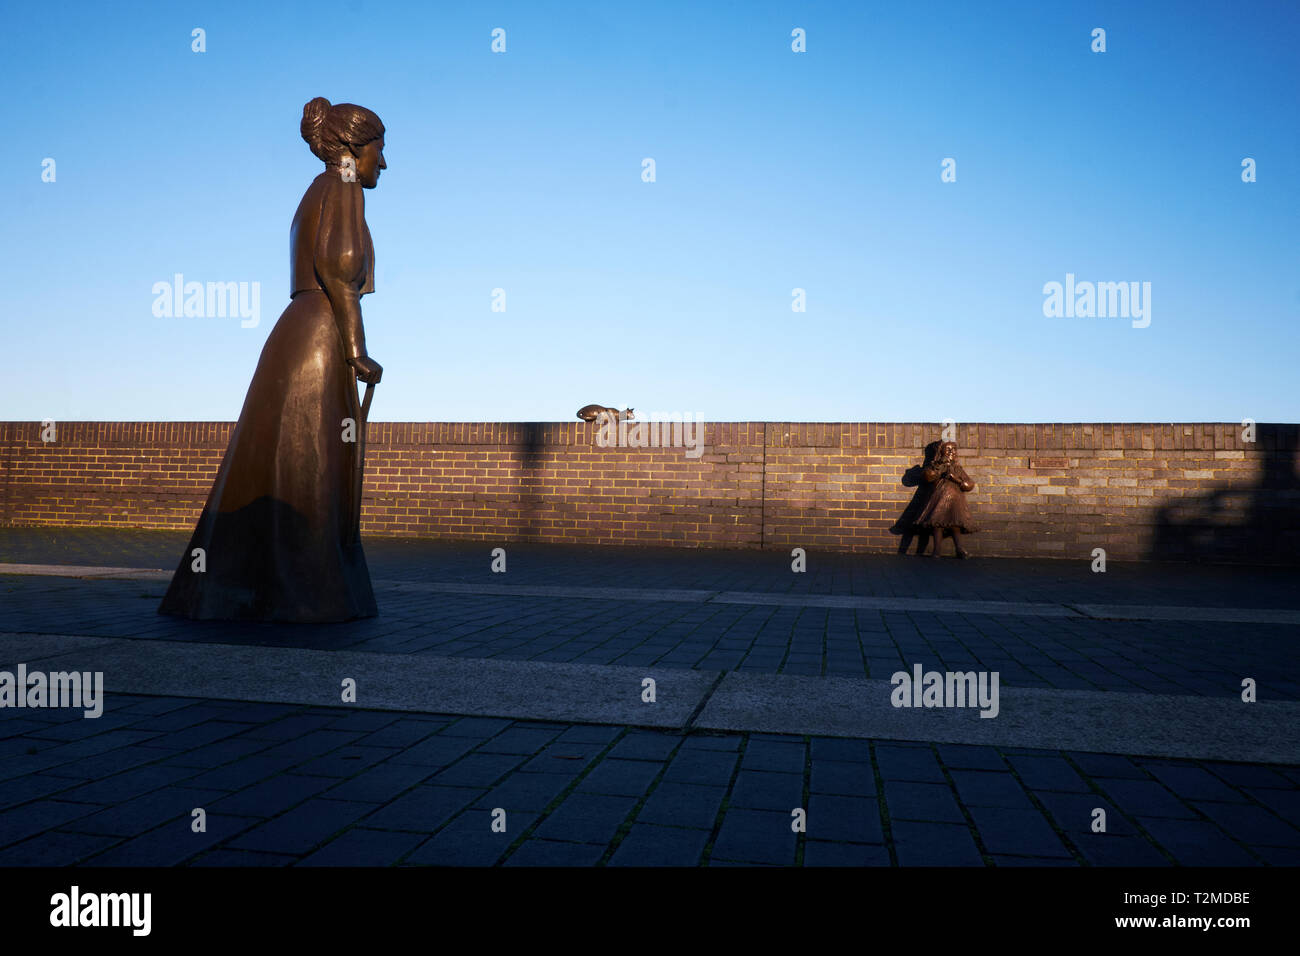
(331, 129)
(314, 115)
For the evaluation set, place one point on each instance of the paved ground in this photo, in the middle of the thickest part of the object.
(1008, 579)
(326, 786)
(1026, 639)
(1151, 648)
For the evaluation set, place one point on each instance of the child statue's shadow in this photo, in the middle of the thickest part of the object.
(905, 526)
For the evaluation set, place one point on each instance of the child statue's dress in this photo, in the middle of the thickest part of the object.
(947, 506)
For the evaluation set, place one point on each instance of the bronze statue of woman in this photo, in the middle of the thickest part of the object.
(279, 538)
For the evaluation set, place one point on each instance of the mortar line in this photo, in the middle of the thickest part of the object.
(699, 708)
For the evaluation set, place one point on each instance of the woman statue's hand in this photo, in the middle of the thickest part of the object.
(367, 369)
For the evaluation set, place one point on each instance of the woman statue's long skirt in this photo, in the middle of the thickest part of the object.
(278, 536)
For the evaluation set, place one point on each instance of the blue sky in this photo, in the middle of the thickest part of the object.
(775, 170)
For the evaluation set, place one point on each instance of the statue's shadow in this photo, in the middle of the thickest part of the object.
(905, 526)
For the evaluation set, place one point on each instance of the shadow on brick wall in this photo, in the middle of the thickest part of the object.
(530, 490)
(913, 478)
(1259, 524)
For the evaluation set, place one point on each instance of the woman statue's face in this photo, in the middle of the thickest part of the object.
(370, 160)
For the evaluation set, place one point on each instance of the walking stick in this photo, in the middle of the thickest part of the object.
(359, 470)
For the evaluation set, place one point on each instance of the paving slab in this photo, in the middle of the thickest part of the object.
(1092, 721)
(1236, 615)
(24, 648)
(86, 571)
(870, 603)
(534, 690)
(675, 595)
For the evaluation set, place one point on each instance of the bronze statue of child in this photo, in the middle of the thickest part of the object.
(946, 511)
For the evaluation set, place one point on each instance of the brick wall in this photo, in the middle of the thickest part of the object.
(1183, 491)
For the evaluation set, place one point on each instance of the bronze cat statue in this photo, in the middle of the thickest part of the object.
(589, 413)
